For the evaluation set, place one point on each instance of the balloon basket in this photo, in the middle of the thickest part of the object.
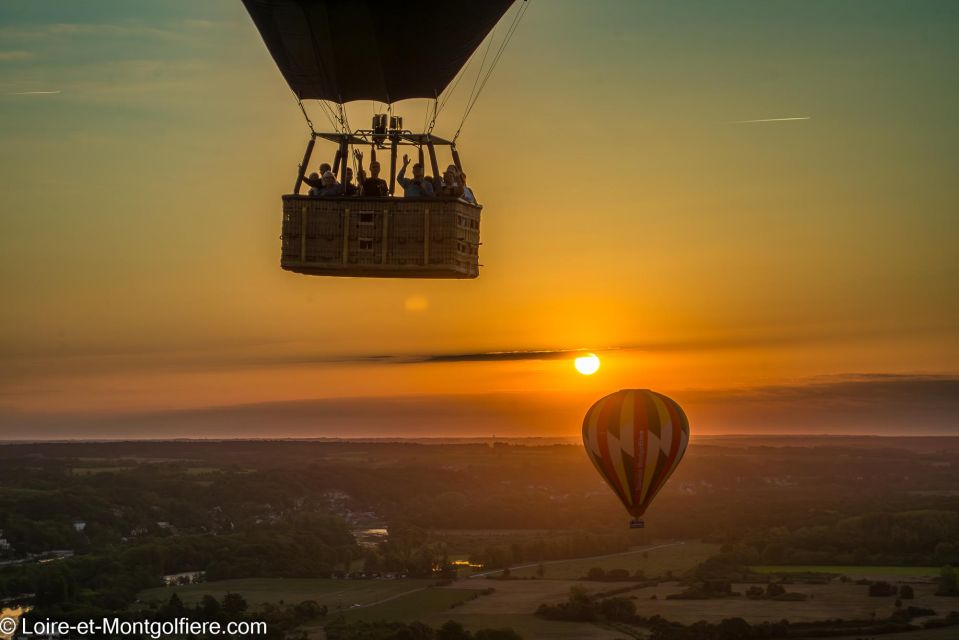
(636, 524)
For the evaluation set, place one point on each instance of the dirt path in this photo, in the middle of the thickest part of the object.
(607, 555)
(392, 597)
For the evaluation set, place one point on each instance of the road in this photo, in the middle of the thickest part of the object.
(608, 555)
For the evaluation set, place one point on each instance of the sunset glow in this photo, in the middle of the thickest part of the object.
(686, 249)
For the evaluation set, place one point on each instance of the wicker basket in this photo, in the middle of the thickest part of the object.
(380, 237)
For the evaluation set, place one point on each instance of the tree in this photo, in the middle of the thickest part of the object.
(54, 586)
(734, 629)
(948, 582)
(452, 630)
(618, 609)
(234, 604)
(595, 574)
(497, 634)
(210, 606)
(906, 592)
(415, 631)
(881, 589)
(309, 610)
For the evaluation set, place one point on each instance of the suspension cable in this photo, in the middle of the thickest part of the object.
(479, 72)
(345, 119)
(509, 35)
(436, 102)
(449, 91)
(330, 116)
(306, 116)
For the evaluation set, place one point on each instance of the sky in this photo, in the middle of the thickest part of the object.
(749, 206)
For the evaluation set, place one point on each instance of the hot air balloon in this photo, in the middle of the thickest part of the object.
(635, 438)
(338, 51)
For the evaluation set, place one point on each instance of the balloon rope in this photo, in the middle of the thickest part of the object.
(449, 92)
(306, 116)
(436, 102)
(509, 35)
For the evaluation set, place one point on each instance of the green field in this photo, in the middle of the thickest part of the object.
(89, 471)
(676, 557)
(531, 627)
(335, 594)
(412, 606)
(913, 572)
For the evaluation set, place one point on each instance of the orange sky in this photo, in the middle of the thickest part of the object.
(756, 272)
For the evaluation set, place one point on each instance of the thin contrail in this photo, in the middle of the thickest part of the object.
(35, 93)
(771, 120)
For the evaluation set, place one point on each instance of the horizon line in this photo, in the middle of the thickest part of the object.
(383, 439)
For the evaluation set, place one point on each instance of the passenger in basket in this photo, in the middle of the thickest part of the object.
(467, 192)
(331, 188)
(451, 182)
(373, 186)
(349, 188)
(417, 186)
(315, 180)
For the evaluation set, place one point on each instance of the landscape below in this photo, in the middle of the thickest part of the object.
(751, 538)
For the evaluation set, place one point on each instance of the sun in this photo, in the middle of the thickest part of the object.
(587, 365)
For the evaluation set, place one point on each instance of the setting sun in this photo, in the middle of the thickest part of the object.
(587, 365)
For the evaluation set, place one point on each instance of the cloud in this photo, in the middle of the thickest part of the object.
(903, 404)
(864, 404)
(795, 119)
(35, 93)
(406, 416)
(177, 30)
(18, 365)
(9, 56)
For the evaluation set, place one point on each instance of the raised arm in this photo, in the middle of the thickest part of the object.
(313, 182)
(401, 176)
(359, 161)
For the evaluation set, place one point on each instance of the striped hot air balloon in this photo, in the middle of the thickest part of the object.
(635, 439)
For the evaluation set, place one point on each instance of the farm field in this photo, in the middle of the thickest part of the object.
(653, 560)
(947, 633)
(513, 604)
(853, 571)
(833, 600)
(531, 627)
(333, 593)
(413, 605)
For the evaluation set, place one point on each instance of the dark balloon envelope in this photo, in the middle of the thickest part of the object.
(382, 50)
(635, 438)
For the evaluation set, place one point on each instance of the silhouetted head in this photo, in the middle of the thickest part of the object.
(328, 178)
(375, 169)
(451, 175)
(418, 171)
(324, 168)
(349, 175)
(314, 176)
